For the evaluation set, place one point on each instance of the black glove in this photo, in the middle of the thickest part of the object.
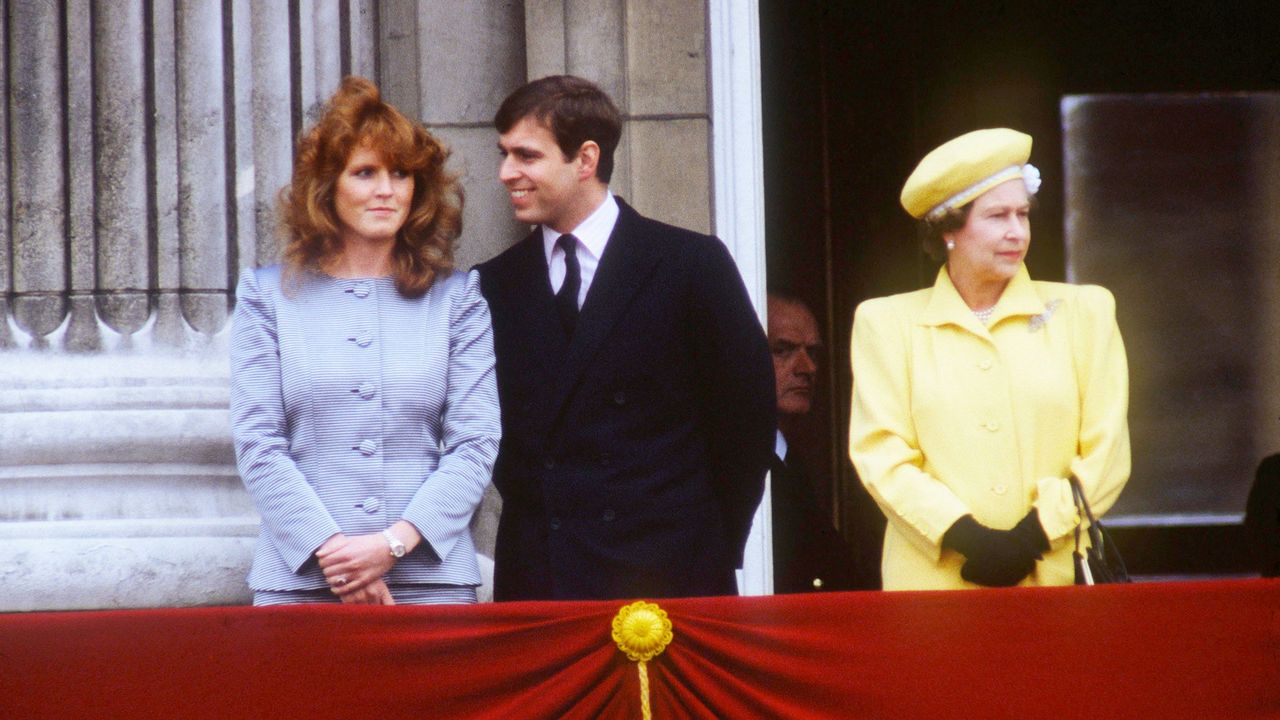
(997, 558)
(1031, 534)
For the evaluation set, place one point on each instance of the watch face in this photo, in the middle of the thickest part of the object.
(397, 547)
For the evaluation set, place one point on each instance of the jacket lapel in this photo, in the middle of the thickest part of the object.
(628, 262)
(532, 295)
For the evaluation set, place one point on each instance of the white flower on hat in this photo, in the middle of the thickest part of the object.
(1031, 178)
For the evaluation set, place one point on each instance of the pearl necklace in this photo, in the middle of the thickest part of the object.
(984, 315)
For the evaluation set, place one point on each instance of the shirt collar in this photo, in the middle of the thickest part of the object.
(593, 233)
(947, 307)
(780, 446)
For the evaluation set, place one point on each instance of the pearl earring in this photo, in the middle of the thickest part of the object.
(951, 244)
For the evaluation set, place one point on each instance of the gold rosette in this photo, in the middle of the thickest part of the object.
(642, 631)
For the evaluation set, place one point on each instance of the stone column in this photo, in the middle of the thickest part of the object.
(37, 154)
(6, 274)
(168, 329)
(80, 334)
(202, 165)
(141, 149)
(120, 174)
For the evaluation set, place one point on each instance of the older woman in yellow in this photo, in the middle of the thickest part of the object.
(976, 399)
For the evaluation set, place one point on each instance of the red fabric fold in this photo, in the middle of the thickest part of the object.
(1176, 650)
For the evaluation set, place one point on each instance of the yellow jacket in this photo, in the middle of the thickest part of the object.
(952, 418)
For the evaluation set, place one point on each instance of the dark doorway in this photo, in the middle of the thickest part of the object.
(856, 92)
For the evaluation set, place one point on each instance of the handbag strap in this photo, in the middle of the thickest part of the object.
(1095, 530)
(1082, 505)
(1097, 536)
(1081, 502)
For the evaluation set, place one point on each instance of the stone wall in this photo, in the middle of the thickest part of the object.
(141, 148)
(143, 144)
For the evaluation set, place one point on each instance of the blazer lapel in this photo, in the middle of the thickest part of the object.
(628, 261)
(532, 294)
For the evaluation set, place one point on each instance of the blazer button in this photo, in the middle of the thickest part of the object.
(554, 523)
(548, 463)
(367, 447)
(620, 398)
(817, 583)
(984, 365)
(367, 391)
(371, 505)
(1000, 489)
(361, 291)
(607, 515)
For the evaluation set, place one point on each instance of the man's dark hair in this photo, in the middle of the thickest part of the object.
(787, 294)
(573, 109)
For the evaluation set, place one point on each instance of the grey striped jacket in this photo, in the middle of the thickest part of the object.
(353, 407)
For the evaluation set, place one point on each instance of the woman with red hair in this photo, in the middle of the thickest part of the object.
(363, 401)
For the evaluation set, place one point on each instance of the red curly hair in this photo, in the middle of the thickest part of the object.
(357, 117)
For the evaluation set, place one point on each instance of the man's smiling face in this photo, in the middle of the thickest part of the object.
(545, 188)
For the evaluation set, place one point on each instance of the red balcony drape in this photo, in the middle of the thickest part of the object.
(1169, 650)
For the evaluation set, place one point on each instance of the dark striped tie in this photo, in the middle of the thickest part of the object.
(567, 296)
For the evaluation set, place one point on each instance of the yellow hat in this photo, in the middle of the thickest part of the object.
(960, 170)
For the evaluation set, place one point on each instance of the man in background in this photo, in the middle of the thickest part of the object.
(809, 553)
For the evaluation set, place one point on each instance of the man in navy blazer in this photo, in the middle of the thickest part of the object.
(634, 376)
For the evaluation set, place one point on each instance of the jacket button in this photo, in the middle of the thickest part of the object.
(548, 463)
(991, 425)
(361, 291)
(366, 390)
(371, 505)
(607, 515)
(620, 398)
(817, 583)
(367, 447)
(984, 365)
(1000, 489)
(554, 523)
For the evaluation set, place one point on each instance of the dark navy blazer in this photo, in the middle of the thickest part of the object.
(633, 453)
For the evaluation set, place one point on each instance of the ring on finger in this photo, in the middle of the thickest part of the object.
(340, 580)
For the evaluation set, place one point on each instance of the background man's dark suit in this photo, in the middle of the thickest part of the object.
(809, 553)
(633, 453)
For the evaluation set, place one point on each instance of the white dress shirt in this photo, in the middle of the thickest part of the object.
(593, 234)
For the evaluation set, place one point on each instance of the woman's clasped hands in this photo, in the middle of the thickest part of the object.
(997, 558)
(354, 566)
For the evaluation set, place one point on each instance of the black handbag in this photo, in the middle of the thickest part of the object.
(1100, 563)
